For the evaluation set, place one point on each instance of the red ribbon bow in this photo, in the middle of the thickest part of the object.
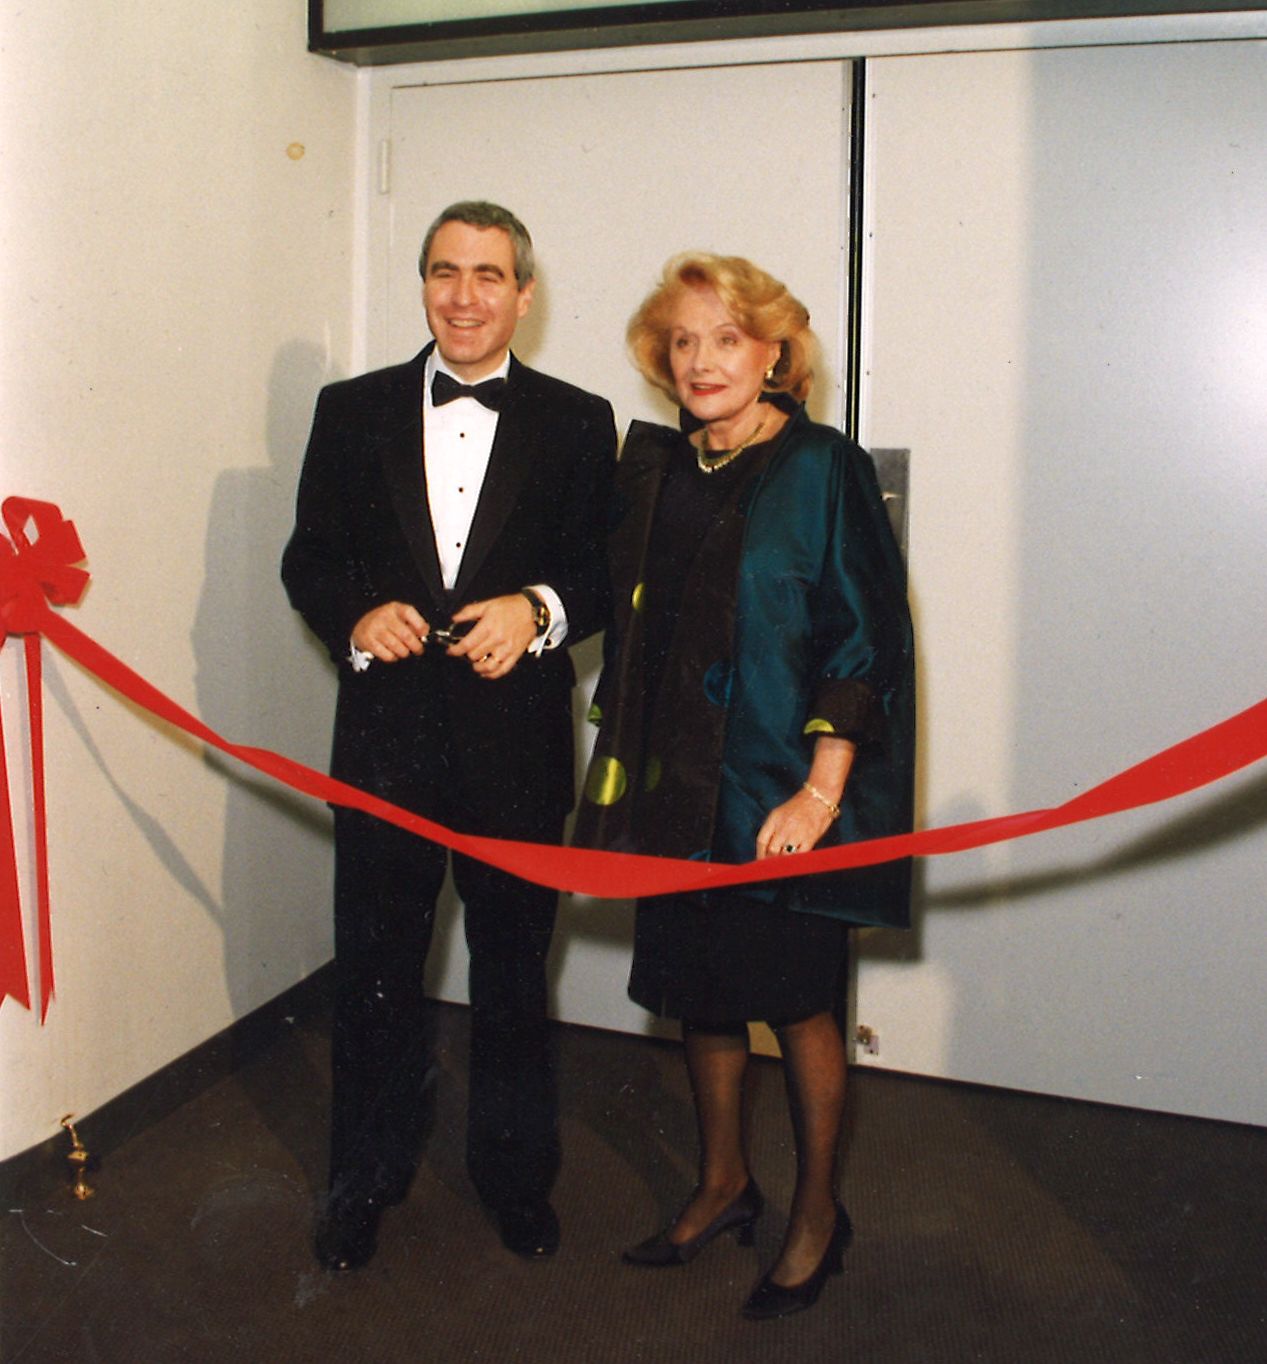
(37, 566)
(33, 570)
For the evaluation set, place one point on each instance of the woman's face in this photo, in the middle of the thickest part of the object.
(718, 369)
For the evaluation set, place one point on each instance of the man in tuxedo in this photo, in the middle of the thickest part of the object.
(448, 541)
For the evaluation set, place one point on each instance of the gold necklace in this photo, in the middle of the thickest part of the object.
(710, 466)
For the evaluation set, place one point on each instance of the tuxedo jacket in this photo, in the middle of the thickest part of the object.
(426, 732)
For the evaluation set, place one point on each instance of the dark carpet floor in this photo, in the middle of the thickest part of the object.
(990, 1226)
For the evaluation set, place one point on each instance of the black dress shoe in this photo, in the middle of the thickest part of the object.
(530, 1229)
(658, 1252)
(347, 1235)
(770, 1299)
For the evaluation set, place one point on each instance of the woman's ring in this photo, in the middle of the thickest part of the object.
(790, 847)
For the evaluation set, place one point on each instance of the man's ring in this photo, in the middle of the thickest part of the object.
(486, 658)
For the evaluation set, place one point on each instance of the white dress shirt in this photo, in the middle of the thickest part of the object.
(457, 439)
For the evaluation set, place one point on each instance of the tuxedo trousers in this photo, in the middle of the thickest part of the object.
(386, 884)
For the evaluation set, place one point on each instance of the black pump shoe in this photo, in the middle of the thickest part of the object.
(770, 1299)
(658, 1252)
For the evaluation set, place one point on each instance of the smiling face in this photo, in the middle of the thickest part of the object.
(718, 369)
(471, 298)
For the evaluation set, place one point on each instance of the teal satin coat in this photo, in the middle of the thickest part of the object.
(793, 623)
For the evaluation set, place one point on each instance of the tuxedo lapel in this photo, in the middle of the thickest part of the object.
(405, 472)
(509, 463)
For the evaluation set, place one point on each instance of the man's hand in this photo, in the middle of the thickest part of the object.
(390, 632)
(503, 629)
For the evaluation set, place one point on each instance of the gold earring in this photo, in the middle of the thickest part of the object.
(769, 374)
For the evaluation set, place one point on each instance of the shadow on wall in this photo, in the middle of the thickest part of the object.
(151, 825)
(255, 686)
(1236, 813)
(1227, 818)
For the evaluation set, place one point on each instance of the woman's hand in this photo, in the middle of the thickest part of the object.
(795, 826)
(798, 824)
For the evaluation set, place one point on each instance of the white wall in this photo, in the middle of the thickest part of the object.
(175, 289)
(1069, 330)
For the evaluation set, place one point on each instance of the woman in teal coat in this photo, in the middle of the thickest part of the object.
(757, 701)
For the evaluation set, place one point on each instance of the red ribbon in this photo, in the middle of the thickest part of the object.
(34, 570)
(1206, 757)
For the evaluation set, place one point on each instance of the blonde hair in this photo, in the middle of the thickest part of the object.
(759, 304)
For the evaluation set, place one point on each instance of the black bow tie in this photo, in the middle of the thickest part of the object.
(444, 388)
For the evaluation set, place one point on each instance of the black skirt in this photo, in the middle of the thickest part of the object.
(719, 957)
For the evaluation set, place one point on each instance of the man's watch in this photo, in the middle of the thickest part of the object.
(540, 611)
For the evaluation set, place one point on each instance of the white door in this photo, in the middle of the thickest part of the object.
(1069, 330)
(612, 174)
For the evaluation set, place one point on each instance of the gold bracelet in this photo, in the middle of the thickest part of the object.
(833, 808)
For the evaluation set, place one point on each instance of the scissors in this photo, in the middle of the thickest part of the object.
(448, 634)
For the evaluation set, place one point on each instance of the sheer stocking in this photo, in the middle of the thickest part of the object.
(715, 1061)
(814, 1072)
